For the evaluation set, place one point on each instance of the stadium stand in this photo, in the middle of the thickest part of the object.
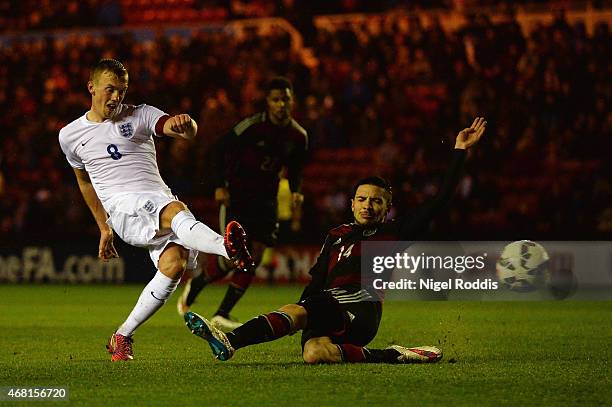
(378, 92)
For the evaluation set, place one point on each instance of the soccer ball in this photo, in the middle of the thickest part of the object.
(522, 266)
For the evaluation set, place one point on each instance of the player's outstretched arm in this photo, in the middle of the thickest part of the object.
(470, 136)
(416, 224)
(181, 126)
(106, 248)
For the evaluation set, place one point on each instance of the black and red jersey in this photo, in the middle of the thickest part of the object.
(250, 157)
(338, 268)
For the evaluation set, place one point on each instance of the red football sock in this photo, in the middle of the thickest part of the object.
(242, 280)
(352, 353)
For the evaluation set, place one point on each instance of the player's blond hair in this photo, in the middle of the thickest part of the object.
(108, 65)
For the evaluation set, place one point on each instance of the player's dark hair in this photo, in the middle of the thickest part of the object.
(378, 181)
(110, 65)
(279, 82)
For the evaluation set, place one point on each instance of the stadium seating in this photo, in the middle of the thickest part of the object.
(535, 153)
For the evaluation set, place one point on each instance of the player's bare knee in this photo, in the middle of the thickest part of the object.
(169, 212)
(311, 355)
(173, 261)
(174, 269)
(297, 313)
(317, 350)
(317, 354)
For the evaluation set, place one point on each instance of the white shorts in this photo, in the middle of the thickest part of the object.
(135, 218)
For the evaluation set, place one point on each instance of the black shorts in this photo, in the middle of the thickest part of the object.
(259, 220)
(361, 321)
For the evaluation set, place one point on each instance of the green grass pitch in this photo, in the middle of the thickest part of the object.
(504, 353)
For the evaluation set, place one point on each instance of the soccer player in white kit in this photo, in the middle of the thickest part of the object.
(112, 152)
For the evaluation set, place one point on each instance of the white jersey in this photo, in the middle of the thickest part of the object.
(118, 154)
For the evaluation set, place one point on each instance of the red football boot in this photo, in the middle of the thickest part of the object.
(120, 347)
(235, 240)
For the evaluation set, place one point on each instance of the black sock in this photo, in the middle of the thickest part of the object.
(197, 284)
(263, 328)
(232, 295)
(381, 355)
(215, 271)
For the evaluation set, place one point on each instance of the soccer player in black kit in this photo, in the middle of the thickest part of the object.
(248, 162)
(338, 318)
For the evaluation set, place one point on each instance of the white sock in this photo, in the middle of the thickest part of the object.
(154, 295)
(196, 235)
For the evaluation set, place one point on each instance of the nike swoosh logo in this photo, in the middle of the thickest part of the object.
(192, 226)
(85, 142)
(158, 299)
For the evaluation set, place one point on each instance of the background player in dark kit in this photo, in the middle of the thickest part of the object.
(248, 161)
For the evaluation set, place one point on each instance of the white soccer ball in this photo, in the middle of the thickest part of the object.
(522, 266)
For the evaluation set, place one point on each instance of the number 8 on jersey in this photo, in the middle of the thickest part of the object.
(113, 150)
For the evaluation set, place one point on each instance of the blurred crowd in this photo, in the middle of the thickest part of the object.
(47, 14)
(23, 15)
(399, 92)
(405, 91)
(26, 15)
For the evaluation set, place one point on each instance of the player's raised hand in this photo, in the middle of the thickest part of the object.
(106, 249)
(180, 123)
(470, 136)
(181, 126)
